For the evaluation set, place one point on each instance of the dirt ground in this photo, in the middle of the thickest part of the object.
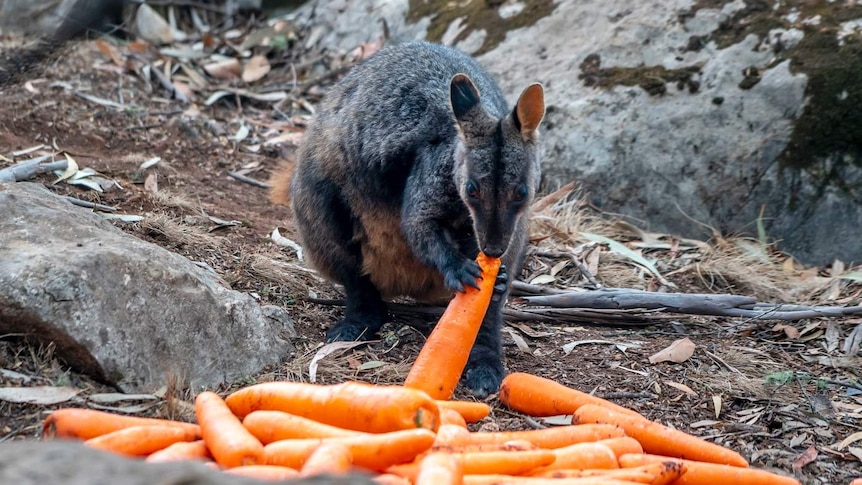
(784, 397)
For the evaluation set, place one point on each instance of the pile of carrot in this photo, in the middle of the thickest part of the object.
(414, 434)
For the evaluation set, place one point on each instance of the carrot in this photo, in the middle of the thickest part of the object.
(471, 411)
(581, 456)
(88, 423)
(622, 445)
(537, 396)
(703, 473)
(229, 442)
(269, 426)
(450, 416)
(555, 437)
(390, 479)
(659, 439)
(411, 470)
(183, 450)
(663, 473)
(140, 440)
(438, 367)
(332, 458)
(355, 406)
(505, 462)
(371, 451)
(264, 472)
(440, 469)
(517, 480)
(856, 481)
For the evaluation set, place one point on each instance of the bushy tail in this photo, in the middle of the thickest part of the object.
(279, 183)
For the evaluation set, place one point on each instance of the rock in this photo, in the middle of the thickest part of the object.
(121, 309)
(71, 463)
(671, 111)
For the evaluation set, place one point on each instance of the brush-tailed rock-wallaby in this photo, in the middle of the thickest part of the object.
(413, 163)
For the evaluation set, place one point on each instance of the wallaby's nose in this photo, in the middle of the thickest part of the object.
(493, 251)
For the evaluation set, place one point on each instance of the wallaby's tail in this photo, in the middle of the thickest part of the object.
(279, 183)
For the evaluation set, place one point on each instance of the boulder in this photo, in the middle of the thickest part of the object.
(121, 309)
(71, 463)
(671, 111)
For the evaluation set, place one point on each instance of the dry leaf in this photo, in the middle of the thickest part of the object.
(679, 351)
(681, 387)
(558, 420)
(805, 458)
(789, 330)
(327, 350)
(153, 27)
(108, 51)
(226, 69)
(543, 279)
(716, 403)
(113, 397)
(38, 395)
(857, 436)
(256, 68)
(529, 331)
(519, 341)
(151, 184)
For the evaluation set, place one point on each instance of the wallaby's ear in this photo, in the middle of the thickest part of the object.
(530, 110)
(463, 96)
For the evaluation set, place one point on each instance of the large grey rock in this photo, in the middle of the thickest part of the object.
(71, 463)
(121, 309)
(668, 111)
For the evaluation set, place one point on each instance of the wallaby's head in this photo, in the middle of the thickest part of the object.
(496, 161)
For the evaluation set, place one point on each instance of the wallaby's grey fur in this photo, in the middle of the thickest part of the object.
(413, 163)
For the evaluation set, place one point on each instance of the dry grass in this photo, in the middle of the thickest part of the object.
(164, 227)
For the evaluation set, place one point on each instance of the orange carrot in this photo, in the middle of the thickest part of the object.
(856, 481)
(450, 416)
(264, 472)
(638, 475)
(659, 439)
(191, 450)
(269, 426)
(88, 423)
(438, 367)
(229, 442)
(703, 473)
(411, 470)
(440, 469)
(581, 456)
(331, 458)
(555, 437)
(390, 479)
(518, 480)
(371, 451)
(355, 406)
(622, 445)
(471, 411)
(537, 396)
(140, 440)
(504, 462)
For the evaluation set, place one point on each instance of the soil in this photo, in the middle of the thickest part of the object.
(774, 395)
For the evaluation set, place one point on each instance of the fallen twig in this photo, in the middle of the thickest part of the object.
(248, 180)
(30, 168)
(91, 205)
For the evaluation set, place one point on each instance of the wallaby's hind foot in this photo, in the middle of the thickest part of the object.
(484, 372)
(349, 330)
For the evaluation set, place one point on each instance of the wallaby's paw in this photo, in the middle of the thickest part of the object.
(348, 331)
(501, 284)
(462, 274)
(484, 372)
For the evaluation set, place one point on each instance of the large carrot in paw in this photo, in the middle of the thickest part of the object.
(355, 406)
(229, 442)
(469, 410)
(192, 450)
(269, 426)
(440, 363)
(371, 451)
(140, 440)
(555, 437)
(703, 473)
(85, 424)
(537, 396)
(659, 439)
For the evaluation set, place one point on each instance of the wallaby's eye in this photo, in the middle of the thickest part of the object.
(472, 190)
(521, 193)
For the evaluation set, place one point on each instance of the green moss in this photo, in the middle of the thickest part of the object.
(653, 79)
(828, 135)
(476, 15)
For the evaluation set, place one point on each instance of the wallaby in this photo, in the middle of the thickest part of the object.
(412, 164)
